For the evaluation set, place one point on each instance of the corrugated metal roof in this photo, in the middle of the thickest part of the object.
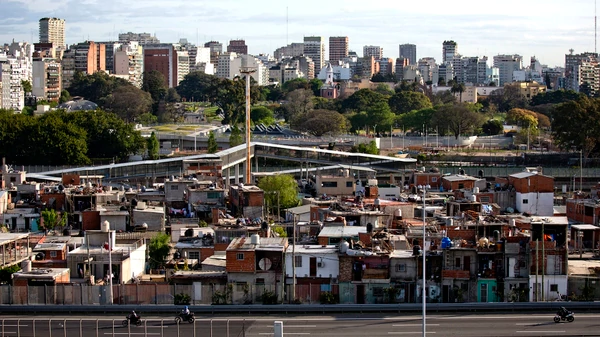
(342, 231)
(458, 177)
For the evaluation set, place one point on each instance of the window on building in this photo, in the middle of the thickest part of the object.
(457, 262)
(213, 195)
(194, 255)
(53, 253)
(554, 287)
(240, 256)
(174, 187)
(461, 185)
(484, 199)
(13, 179)
(348, 184)
(434, 179)
(298, 261)
(330, 184)
(260, 281)
(525, 201)
(401, 267)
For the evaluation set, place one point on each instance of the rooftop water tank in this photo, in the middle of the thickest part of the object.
(446, 243)
(26, 266)
(105, 227)
(255, 239)
(344, 246)
(475, 190)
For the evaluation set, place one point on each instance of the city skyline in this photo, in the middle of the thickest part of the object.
(528, 29)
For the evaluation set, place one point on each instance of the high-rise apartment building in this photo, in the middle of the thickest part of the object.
(409, 51)
(473, 70)
(314, 47)
(449, 51)
(90, 57)
(141, 38)
(129, 62)
(47, 81)
(580, 69)
(291, 50)
(426, 66)
(216, 48)
(52, 30)
(375, 51)
(506, 65)
(401, 63)
(167, 59)
(338, 48)
(237, 46)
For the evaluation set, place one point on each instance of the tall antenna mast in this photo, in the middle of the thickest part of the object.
(595, 28)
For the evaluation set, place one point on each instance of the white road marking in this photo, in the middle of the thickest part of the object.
(13, 325)
(409, 332)
(294, 326)
(541, 331)
(415, 324)
(286, 333)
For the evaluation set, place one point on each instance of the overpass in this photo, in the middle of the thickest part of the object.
(232, 159)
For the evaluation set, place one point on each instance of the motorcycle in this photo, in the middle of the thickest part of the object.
(569, 317)
(185, 318)
(137, 321)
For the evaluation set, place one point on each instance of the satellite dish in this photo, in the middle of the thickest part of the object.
(264, 264)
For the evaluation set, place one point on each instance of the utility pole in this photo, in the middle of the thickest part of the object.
(294, 260)
(424, 256)
(248, 72)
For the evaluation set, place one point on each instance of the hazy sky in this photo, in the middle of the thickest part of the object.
(544, 28)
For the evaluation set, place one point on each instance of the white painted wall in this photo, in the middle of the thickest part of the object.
(330, 262)
(137, 260)
(541, 204)
(549, 280)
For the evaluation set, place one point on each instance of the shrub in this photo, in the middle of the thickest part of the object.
(328, 297)
(182, 298)
(269, 297)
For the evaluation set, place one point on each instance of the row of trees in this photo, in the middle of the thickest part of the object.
(60, 138)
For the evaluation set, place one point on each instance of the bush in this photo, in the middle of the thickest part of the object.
(328, 297)
(269, 297)
(182, 299)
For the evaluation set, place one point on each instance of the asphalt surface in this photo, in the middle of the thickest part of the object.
(499, 325)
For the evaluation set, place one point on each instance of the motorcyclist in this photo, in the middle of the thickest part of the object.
(134, 317)
(185, 312)
(562, 312)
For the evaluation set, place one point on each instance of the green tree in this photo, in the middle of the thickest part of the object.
(369, 148)
(52, 219)
(196, 86)
(64, 96)
(458, 118)
(577, 124)
(508, 98)
(315, 86)
(59, 142)
(262, 115)
(213, 147)
(492, 127)
(442, 97)
(128, 102)
(235, 138)
(298, 103)
(155, 83)
(107, 135)
(384, 89)
(415, 119)
(405, 101)
(173, 96)
(379, 114)
(26, 84)
(458, 88)
(323, 122)
(147, 119)
(153, 147)
(280, 232)
(555, 97)
(522, 117)
(295, 84)
(281, 188)
(159, 249)
(361, 100)
(230, 97)
(95, 87)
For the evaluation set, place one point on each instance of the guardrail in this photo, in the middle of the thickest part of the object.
(299, 308)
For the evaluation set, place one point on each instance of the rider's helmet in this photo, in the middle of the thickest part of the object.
(186, 308)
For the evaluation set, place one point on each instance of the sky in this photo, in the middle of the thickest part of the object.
(546, 29)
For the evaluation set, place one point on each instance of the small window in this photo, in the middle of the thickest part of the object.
(461, 186)
(457, 262)
(348, 184)
(298, 261)
(53, 253)
(329, 184)
(213, 195)
(554, 287)
(194, 255)
(240, 256)
(434, 179)
(13, 179)
(174, 187)
(485, 199)
(260, 281)
(401, 268)
(525, 201)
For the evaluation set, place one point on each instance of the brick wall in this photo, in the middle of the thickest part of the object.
(345, 268)
(234, 265)
(90, 220)
(465, 234)
(323, 240)
(206, 252)
(456, 274)
(221, 247)
(59, 200)
(365, 238)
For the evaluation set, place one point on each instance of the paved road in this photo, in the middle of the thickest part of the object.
(342, 325)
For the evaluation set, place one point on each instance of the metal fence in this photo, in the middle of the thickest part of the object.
(157, 294)
(61, 327)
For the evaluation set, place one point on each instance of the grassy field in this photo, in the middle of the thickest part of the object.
(178, 129)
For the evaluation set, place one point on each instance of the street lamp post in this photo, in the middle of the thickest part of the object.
(110, 272)
(424, 256)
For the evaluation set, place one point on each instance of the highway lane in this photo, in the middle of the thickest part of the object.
(366, 325)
